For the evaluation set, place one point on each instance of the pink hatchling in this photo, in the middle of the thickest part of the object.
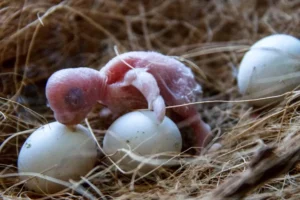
(132, 80)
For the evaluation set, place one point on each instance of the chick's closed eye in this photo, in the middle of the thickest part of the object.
(74, 98)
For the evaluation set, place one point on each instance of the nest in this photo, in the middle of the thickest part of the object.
(260, 147)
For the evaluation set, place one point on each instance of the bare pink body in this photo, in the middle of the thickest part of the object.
(133, 80)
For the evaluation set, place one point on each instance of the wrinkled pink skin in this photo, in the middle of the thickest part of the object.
(155, 81)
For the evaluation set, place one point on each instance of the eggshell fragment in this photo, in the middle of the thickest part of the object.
(141, 133)
(271, 67)
(59, 152)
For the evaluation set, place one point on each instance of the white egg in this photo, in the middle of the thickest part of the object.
(56, 151)
(271, 67)
(141, 133)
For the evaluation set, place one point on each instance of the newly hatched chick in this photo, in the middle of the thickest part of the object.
(133, 80)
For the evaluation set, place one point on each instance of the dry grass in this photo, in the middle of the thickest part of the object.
(260, 147)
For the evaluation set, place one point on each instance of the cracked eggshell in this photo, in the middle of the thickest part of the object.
(59, 152)
(141, 133)
(271, 67)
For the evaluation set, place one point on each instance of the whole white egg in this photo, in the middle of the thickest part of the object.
(55, 150)
(271, 67)
(142, 134)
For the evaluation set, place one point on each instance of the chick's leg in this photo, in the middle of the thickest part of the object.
(147, 85)
(201, 130)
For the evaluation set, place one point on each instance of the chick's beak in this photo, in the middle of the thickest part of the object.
(70, 118)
